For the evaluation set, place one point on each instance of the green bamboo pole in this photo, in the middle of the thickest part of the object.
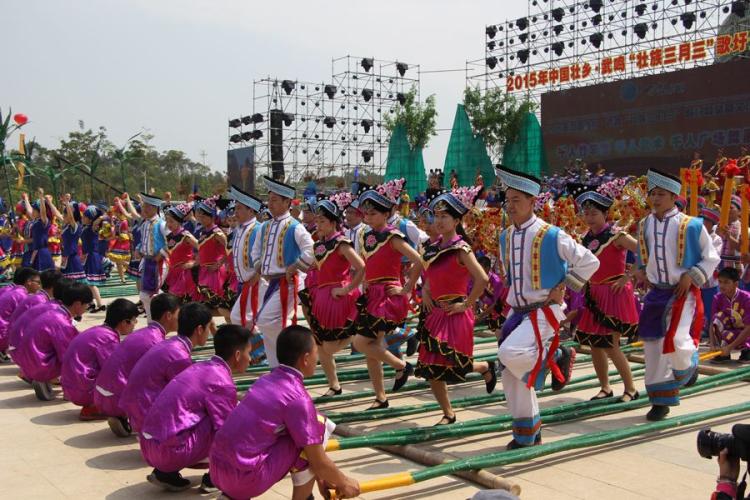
(360, 416)
(500, 423)
(528, 453)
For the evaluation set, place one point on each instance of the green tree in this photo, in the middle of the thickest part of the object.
(497, 116)
(418, 119)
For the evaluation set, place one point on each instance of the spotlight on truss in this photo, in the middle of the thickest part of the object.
(596, 39)
(246, 136)
(235, 122)
(491, 62)
(329, 121)
(596, 5)
(558, 48)
(366, 63)
(522, 23)
(288, 118)
(257, 134)
(367, 94)
(687, 18)
(288, 86)
(401, 97)
(367, 155)
(491, 31)
(523, 55)
(739, 8)
(247, 120)
(401, 68)
(235, 138)
(558, 13)
(366, 124)
(640, 9)
(257, 118)
(330, 91)
(641, 29)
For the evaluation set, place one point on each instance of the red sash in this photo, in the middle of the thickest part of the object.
(550, 317)
(695, 328)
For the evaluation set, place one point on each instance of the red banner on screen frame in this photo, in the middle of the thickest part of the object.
(658, 57)
(652, 121)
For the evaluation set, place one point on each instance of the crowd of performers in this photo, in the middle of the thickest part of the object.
(357, 269)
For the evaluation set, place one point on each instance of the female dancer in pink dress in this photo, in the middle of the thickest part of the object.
(181, 246)
(119, 252)
(446, 331)
(332, 302)
(385, 303)
(213, 275)
(610, 306)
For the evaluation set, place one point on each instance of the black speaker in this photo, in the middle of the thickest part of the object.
(277, 148)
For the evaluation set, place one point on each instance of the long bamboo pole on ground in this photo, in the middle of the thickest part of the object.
(529, 453)
(499, 423)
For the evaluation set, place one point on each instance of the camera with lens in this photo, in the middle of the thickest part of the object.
(737, 443)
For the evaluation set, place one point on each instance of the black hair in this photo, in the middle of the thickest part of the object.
(230, 338)
(192, 315)
(60, 286)
(50, 277)
(23, 275)
(484, 261)
(730, 273)
(162, 304)
(293, 342)
(597, 206)
(118, 311)
(76, 292)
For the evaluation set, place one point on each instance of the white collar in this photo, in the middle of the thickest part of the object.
(526, 224)
(251, 221)
(281, 217)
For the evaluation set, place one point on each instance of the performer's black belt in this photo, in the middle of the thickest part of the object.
(528, 308)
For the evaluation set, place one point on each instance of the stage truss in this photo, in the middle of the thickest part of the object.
(562, 44)
(328, 129)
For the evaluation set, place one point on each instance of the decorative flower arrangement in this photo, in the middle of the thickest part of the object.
(371, 240)
(613, 189)
(392, 189)
(466, 195)
(342, 199)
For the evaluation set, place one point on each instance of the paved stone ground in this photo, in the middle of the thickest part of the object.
(48, 453)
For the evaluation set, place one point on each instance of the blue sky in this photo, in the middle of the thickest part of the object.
(180, 68)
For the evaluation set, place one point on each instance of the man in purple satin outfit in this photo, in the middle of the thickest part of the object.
(88, 352)
(179, 428)
(265, 437)
(165, 361)
(114, 376)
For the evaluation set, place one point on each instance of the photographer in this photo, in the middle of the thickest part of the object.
(731, 449)
(729, 471)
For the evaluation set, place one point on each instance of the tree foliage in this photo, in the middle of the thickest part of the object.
(420, 120)
(89, 166)
(497, 116)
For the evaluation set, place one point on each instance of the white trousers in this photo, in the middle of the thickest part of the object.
(270, 320)
(235, 315)
(666, 373)
(518, 355)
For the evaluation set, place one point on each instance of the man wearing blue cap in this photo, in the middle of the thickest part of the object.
(538, 260)
(246, 210)
(282, 250)
(153, 248)
(675, 257)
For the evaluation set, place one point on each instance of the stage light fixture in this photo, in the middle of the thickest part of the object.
(329, 121)
(247, 120)
(739, 8)
(256, 134)
(640, 9)
(367, 94)
(558, 29)
(597, 20)
(257, 118)
(366, 63)
(640, 29)
(330, 91)
(491, 45)
(674, 22)
(288, 86)
(367, 155)
(491, 31)
(558, 13)
(246, 136)
(366, 124)
(401, 97)
(523, 55)
(288, 118)
(687, 18)
(558, 47)
(491, 62)
(596, 5)
(522, 23)
(235, 122)
(235, 138)
(401, 68)
(596, 39)
(523, 37)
